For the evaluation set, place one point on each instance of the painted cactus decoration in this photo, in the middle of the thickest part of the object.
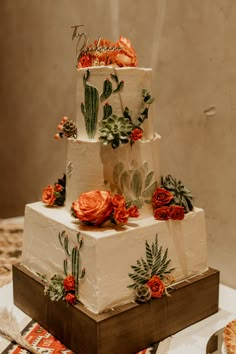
(137, 183)
(90, 106)
(73, 256)
(107, 90)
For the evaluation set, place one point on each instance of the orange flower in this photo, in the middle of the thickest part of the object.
(133, 211)
(118, 200)
(126, 56)
(93, 207)
(69, 283)
(156, 285)
(136, 134)
(103, 43)
(48, 195)
(121, 215)
(70, 298)
(161, 197)
(58, 187)
(176, 212)
(162, 213)
(85, 61)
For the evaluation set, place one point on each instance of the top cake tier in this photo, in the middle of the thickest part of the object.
(109, 99)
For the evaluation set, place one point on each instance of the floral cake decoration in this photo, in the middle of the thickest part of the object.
(66, 128)
(151, 276)
(172, 200)
(98, 208)
(105, 52)
(55, 194)
(66, 287)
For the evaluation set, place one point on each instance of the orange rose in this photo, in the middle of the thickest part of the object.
(69, 283)
(156, 285)
(136, 134)
(133, 211)
(121, 215)
(48, 195)
(71, 298)
(161, 197)
(162, 213)
(93, 207)
(118, 200)
(176, 212)
(58, 187)
(85, 61)
(126, 56)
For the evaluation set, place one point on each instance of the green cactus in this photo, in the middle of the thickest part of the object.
(90, 107)
(107, 110)
(74, 257)
(107, 90)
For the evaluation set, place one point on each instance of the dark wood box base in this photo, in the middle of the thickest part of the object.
(127, 329)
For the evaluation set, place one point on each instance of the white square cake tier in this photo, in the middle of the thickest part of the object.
(108, 253)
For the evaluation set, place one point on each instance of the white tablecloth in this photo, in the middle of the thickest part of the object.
(192, 340)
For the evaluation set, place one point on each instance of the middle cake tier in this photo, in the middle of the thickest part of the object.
(132, 171)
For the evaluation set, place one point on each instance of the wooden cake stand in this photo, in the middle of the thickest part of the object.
(127, 329)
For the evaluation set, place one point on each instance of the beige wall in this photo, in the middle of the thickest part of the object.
(191, 46)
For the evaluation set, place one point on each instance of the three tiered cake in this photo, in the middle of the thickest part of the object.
(112, 230)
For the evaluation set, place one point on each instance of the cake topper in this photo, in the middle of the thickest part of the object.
(82, 40)
(102, 52)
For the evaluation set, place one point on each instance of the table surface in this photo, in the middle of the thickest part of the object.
(190, 340)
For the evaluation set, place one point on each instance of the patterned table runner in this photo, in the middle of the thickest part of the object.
(45, 343)
(11, 235)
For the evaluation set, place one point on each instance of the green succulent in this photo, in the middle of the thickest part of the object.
(136, 183)
(55, 288)
(115, 131)
(182, 196)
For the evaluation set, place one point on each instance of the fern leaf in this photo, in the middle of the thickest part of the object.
(165, 256)
(138, 278)
(132, 286)
(149, 255)
(145, 265)
(140, 271)
(164, 266)
(139, 263)
(155, 264)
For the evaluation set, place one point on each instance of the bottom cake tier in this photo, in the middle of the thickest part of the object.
(51, 237)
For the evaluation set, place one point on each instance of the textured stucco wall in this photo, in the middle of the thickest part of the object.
(189, 44)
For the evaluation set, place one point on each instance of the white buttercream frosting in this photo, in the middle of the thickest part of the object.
(93, 166)
(135, 80)
(108, 253)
